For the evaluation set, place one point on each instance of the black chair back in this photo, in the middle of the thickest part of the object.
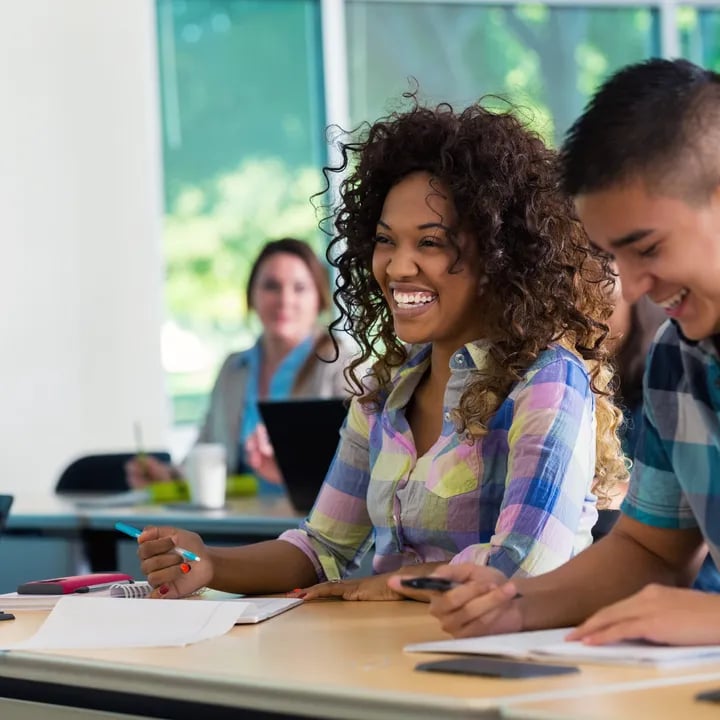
(99, 473)
(5, 503)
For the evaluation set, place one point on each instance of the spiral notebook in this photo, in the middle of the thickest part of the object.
(250, 610)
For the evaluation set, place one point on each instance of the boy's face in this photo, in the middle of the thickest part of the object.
(663, 248)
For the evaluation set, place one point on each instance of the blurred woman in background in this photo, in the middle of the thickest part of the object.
(289, 289)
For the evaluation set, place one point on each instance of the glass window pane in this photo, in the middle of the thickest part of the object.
(243, 140)
(546, 59)
(700, 36)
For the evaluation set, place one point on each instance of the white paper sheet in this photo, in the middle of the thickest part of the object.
(77, 623)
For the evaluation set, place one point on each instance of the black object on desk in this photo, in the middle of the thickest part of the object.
(6, 616)
(709, 696)
(492, 667)
(304, 434)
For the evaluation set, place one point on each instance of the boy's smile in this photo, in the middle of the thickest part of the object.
(664, 247)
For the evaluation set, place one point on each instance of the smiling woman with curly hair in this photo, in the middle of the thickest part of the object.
(540, 282)
(484, 430)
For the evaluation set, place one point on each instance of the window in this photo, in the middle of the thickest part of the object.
(547, 59)
(700, 36)
(244, 115)
(243, 140)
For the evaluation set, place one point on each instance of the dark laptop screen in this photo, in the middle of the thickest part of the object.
(304, 436)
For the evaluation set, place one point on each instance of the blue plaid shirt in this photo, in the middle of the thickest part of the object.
(676, 479)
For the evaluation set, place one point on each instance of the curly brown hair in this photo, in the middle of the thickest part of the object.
(542, 281)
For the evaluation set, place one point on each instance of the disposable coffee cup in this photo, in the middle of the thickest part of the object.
(206, 472)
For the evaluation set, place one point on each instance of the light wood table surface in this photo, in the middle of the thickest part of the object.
(674, 701)
(325, 659)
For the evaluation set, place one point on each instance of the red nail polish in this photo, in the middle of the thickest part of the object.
(164, 589)
(185, 568)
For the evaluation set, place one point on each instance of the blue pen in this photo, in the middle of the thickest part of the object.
(133, 532)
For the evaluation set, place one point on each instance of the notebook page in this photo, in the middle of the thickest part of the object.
(630, 653)
(106, 623)
(512, 645)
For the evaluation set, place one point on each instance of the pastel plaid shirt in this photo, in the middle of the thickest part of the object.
(676, 478)
(518, 499)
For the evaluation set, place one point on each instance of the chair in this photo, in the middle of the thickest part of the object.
(99, 473)
(606, 519)
(5, 503)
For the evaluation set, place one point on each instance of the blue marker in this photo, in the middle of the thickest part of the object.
(133, 532)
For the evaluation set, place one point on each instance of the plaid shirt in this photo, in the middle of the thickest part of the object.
(518, 499)
(676, 478)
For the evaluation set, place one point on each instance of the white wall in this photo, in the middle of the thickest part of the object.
(80, 231)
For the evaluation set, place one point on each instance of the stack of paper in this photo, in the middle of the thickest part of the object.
(105, 622)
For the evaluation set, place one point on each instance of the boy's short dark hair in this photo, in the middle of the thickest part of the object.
(657, 120)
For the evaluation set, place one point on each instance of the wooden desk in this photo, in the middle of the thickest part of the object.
(671, 701)
(324, 659)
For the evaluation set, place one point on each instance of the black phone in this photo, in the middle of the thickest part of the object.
(709, 696)
(492, 667)
(429, 583)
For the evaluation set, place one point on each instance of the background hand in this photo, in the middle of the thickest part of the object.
(164, 567)
(144, 470)
(260, 456)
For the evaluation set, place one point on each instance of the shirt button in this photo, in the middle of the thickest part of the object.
(459, 359)
(447, 415)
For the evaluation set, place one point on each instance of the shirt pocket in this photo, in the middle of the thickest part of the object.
(453, 471)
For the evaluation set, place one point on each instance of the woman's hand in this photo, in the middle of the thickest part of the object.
(260, 456)
(659, 614)
(169, 573)
(143, 470)
(483, 603)
(368, 588)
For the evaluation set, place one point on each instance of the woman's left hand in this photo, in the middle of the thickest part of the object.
(367, 588)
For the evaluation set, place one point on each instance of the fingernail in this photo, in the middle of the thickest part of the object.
(185, 567)
(163, 589)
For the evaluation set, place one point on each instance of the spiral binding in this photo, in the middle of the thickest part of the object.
(130, 590)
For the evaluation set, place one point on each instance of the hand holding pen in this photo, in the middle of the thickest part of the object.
(158, 550)
(133, 532)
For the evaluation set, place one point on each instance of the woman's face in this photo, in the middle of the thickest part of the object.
(412, 260)
(286, 299)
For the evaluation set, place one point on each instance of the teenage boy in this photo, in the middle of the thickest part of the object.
(643, 164)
